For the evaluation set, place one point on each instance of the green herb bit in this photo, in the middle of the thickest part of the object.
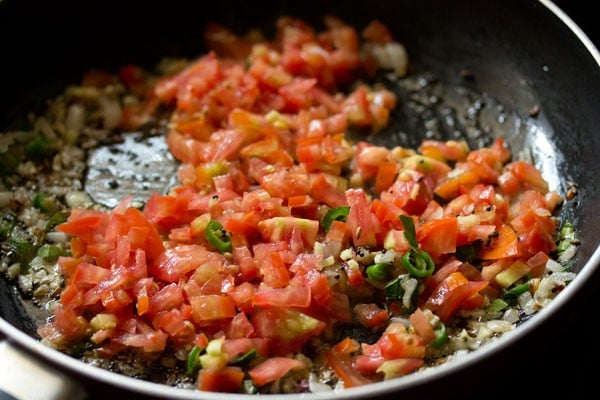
(334, 214)
(51, 252)
(45, 203)
(399, 288)
(8, 221)
(56, 219)
(193, 361)
(393, 289)
(409, 230)
(23, 249)
(418, 263)
(37, 147)
(567, 232)
(217, 236)
(378, 272)
(244, 358)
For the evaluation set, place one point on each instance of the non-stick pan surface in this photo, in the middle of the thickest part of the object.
(519, 52)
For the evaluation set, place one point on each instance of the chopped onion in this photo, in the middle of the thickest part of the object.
(111, 112)
(5, 198)
(315, 385)
(77, 199)
(566, 255)
(75, 122)
(553, 265)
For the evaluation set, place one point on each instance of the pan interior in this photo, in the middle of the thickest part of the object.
(470, 83)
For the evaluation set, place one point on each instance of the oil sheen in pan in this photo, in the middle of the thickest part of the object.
(427, 109)
(137, 166)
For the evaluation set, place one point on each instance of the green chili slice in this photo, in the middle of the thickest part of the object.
(418, 263)
(56, 219)
(45, 203)
(566, 237)
(441, 335)
(218, 236)
(51, 252)
(8, 221)
(193, 360)
(334, 214)
(379, 271)
(409, 230)
(23, 249)
(497, 305)
(244, 358)
(516, 291)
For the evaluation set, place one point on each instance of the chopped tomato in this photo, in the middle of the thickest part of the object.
(438, 236)
(422, 326)
(342, 365)
(451, 293)
(503, 246)
(370, 315)
(228, 379)
(362, 223)
(273, 368)
(259, 127)
(291, 296)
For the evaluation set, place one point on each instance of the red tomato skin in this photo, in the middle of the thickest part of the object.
(226, 380)
(363, 225)
(273, 368)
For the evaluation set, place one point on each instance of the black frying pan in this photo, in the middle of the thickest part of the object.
(521, 54)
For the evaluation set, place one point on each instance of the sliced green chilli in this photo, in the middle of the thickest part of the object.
(217, 236)
(334, 214)
(418, 263)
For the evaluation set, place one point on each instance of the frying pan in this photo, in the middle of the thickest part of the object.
(520, 54)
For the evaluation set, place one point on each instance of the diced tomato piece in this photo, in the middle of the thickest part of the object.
(502, 246)
(227, 380)
(452, 293)
(176, 262)
(288, 329)
(347, 345)
(152, 341)
(285, 228)
(422, 326)
(212, 307)
(344, 368)
(356, 108)
(89, 274)
(401, 345)
(362, 223)
(399, 367)
(273, 368)
(370, 315)
(291, 296)
(438, 236)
